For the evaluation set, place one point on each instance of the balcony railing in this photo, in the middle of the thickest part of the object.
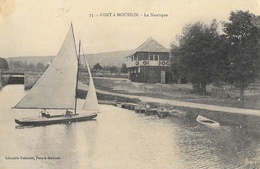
(148, 63)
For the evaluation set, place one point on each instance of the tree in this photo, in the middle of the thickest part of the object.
(3, 64)
(30, 67)
(18, 65)
(97, 67)
(114, 69)
(193, 56)
(220, 66)
(40, 66)
(243, 55)
(123, 68)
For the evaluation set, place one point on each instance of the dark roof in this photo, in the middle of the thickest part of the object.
(150, 45)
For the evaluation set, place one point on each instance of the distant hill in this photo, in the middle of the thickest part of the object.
(31, 59)
(109, 58)
(116, 58)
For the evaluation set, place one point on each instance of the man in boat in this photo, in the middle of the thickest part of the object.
(68, 113)
(45, 113)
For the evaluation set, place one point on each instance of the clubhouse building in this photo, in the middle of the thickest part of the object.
(149, 63)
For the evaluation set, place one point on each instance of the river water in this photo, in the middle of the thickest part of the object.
(121, 138)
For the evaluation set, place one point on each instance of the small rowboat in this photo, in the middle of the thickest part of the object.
(177, 113)
(207, 122)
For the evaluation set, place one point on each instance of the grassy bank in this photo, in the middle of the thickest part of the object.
(106, 97)
(181, 92)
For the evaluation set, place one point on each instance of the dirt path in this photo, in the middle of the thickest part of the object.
(189, 104)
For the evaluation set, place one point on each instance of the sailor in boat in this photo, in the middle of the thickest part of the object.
(68, 113)
(45, 113)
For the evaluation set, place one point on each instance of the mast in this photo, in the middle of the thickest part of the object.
(78, 58)
(77, 79)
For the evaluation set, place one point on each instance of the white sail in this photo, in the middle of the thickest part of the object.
(91, 102)
(56, 88)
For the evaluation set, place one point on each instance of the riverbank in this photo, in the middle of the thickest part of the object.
(226, 111)
(179, 92)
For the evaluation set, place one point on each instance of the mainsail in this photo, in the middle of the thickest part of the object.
(56, 88)
(91, 102)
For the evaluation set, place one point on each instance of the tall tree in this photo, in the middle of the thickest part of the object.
(193, 57)
(243, 55)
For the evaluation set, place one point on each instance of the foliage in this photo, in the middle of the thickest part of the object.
(114, 69)
(25, 66)
(111, 69)
(194, 56)
(123, 68)
(242, 39)
(40, 66)
(3, 64)
(97, 67)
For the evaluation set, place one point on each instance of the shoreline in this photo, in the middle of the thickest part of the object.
(225, 115)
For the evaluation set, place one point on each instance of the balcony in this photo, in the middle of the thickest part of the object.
(147, 63)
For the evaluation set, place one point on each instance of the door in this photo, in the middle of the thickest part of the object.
(162, 76)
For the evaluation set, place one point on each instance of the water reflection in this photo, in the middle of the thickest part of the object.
(120, 138)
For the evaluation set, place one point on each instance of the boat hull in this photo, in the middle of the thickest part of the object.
(150, 111)
(162, 112)
(141, 108)
(129, 106)
(177, 113)
(207, 122)
(55, 119)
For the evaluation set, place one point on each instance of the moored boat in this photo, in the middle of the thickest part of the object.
(177, 113)
(130, 106)
(150, 111)
(141, 107)
(207, 122)
(119, 104)
(162, 112)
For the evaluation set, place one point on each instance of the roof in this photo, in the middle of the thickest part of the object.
(150, 45)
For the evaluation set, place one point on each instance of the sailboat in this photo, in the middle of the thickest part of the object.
(56, 90)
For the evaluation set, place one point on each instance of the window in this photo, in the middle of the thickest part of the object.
(156, 57)
(143, 56)
(151, 56)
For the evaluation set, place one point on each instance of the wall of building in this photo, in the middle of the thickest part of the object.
(148, 74)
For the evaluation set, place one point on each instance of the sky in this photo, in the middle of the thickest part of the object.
(38, 27)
